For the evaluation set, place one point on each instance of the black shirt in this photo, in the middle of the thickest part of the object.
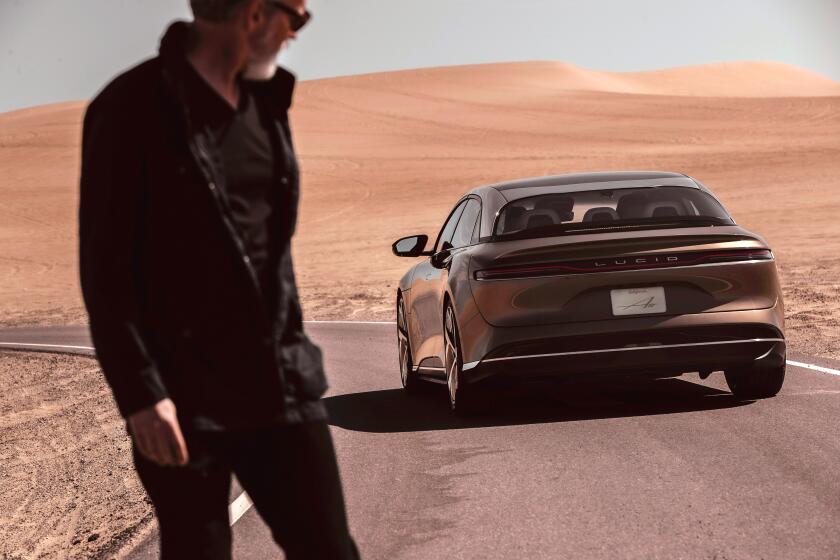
(173, 311)
(245, 148)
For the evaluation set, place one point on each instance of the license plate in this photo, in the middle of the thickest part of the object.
(635, 301)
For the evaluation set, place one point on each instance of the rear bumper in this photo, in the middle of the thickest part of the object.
(657, 346)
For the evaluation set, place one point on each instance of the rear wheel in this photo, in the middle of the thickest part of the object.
(755, 382)
(408, 377)
(462, 397)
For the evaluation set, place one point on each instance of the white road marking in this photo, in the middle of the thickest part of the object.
(32, 345)
(814, 367)
(64, 346)
(239, 506)
(356, 322)
(45, 345)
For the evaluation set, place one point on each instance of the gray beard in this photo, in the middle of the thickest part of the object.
(261, 70)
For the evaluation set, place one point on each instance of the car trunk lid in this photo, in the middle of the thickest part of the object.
(591, 276)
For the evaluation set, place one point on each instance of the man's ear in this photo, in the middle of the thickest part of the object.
(253, 14)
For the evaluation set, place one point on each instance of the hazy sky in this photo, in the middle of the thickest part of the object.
(55, 50)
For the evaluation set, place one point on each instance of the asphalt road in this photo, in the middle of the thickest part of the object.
(620, 469)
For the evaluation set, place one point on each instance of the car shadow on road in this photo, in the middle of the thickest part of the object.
(391, 410)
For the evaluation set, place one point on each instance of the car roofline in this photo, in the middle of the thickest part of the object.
(585, 178)
(511, 194)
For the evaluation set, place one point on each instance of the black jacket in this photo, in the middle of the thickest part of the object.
(175, 306)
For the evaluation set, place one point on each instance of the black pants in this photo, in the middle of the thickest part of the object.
(290, 473)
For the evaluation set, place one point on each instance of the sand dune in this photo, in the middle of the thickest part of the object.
(725, 79)
(732, 79)
(386, 155)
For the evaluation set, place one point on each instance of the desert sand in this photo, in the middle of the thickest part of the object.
(387, 155)
(67, 480)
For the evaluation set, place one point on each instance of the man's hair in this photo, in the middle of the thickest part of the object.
(215, 10)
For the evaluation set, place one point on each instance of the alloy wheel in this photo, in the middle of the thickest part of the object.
(451, 356)
(407, 377)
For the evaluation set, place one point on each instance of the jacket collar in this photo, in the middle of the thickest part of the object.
(275, 93)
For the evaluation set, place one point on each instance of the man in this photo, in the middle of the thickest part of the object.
(189, 192)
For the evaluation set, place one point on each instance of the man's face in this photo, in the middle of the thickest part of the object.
(269, 32)
(284, 20)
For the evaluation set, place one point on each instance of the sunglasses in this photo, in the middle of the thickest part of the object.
(296, 19)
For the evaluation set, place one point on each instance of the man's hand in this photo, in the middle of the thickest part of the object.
(158, 436)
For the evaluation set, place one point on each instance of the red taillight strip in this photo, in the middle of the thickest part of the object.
(590, 265)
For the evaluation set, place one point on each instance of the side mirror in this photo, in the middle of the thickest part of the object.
(411, 246)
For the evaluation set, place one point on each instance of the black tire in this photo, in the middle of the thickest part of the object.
(463, 398)
(755, 382)
(410, 382)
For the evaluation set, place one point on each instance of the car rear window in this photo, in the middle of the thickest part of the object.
(592, 211)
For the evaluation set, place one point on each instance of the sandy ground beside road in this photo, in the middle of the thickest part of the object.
(387, 155)
(67, 483)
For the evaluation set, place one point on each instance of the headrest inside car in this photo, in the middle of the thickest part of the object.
(539, 220)
(561, 204)
(662, 209)
(539, 217)
(600, 214)
(632, 206)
